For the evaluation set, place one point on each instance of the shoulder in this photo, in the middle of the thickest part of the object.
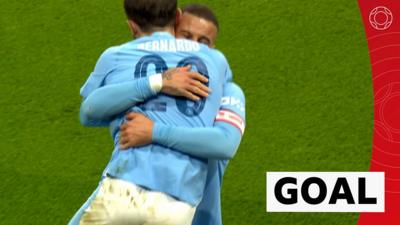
(220, 59)
(105, 64)
(108, 59)
(232, 89)
(219, 56)
(213, 53)
(111, 52)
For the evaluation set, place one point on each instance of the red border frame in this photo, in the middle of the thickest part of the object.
(382, 23)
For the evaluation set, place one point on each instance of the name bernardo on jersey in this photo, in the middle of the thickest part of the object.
(132, 61)
(170, 45)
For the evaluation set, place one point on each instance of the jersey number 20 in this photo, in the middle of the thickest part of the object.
(184, 106)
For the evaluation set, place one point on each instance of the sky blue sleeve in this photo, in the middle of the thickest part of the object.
(228, 74)
(102, 103)
(106, 102)
(218, 142)
(104, 66)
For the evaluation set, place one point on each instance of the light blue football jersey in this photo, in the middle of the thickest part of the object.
(156, 167)
(208, 211)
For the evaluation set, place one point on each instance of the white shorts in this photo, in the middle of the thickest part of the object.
(122, 203)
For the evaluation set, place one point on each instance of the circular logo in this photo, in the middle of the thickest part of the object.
(381, 18)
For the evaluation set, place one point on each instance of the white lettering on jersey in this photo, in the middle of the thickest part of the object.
(141, 46)
(195, 46)
(170, 46)
(163, 45)
(156, 46)
(180, 46)
(231, 118)
(232, 101)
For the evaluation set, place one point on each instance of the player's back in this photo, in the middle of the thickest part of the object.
(157, 53)
(153, 166)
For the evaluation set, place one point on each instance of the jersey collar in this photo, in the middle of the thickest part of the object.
(157, 35)
(162, 34)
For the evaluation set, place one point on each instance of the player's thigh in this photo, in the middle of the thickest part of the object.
(116, 203)
(138, 206)
(165, 210)
(122, 203)
(77, 217)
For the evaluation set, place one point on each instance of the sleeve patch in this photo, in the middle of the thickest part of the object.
(231, 118)
(232, 102)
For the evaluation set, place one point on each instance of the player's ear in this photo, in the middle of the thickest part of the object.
(178, 17)
(135, 30)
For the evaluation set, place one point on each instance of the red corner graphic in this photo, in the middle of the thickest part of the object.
(382, 25)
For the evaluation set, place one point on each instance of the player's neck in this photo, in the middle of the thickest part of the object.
(170, 30)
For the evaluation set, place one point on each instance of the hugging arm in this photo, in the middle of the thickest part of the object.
(109, 101)
(218, 142)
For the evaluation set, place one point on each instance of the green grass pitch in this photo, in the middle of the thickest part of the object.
(303, 65)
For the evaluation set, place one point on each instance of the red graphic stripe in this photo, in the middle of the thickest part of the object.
(382, 25)
(231, 118)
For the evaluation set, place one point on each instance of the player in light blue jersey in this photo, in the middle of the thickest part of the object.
(199, 24)
(154, 184)
(217, 144)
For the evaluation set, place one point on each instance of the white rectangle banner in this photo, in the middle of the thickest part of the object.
(325, 192)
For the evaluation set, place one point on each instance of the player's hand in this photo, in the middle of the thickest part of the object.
(182, 82)
(136, 132)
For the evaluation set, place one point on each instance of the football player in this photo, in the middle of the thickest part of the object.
(152, 184)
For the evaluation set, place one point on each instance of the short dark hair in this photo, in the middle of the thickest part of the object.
(150, 14)
(201, 11)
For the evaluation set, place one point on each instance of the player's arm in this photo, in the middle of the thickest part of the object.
(106, 102)
(104, 66)
(218, 142)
